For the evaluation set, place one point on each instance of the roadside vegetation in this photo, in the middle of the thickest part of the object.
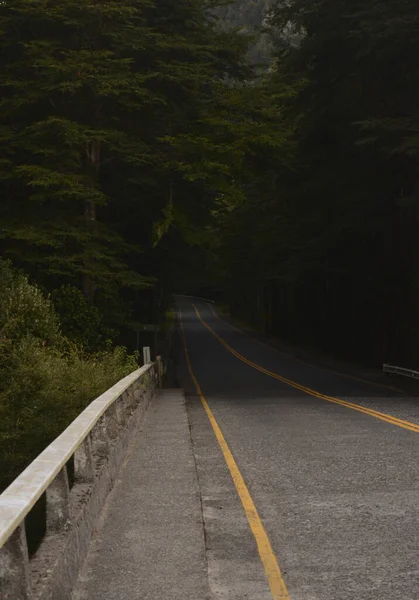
(46, 379)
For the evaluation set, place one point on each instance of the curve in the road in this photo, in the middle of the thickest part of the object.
(339, 373)
(311, 392)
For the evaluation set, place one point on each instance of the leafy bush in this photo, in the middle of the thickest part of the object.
(81, 322)
(45, 380)
(23, 309)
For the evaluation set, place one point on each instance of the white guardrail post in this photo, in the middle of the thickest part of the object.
(146, 355)
(97, 440)
(83, 462)
(15, 577)
(58, 503)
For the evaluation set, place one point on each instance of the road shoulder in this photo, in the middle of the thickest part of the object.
(150, 540)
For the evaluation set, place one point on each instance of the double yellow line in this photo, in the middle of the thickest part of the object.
(368, 411)
(338, 373)
(270, 564)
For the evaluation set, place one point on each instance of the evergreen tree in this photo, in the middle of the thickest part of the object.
(334, 248)
(69, 85)
(102, 116)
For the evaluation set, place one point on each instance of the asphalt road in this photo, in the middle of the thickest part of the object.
(335, 485)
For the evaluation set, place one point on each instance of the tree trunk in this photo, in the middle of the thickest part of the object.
(93, 166)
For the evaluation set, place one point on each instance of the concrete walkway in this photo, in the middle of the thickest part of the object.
(149, 543)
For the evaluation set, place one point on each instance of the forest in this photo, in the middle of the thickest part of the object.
(144, 154)
(328, 232)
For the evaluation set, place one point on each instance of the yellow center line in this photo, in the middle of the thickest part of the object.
(270, 564)
(368, 411)
(345, 375)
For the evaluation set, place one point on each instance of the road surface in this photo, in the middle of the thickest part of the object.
(309, 480)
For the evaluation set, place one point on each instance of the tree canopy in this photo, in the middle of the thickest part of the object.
(141, 152)
(329, 237)
(105, 116)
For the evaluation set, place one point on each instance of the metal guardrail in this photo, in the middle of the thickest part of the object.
(89, 440)
(401, 371)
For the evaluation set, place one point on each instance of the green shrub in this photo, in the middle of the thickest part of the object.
(45, 380)
(24, 310)
(81, 322)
